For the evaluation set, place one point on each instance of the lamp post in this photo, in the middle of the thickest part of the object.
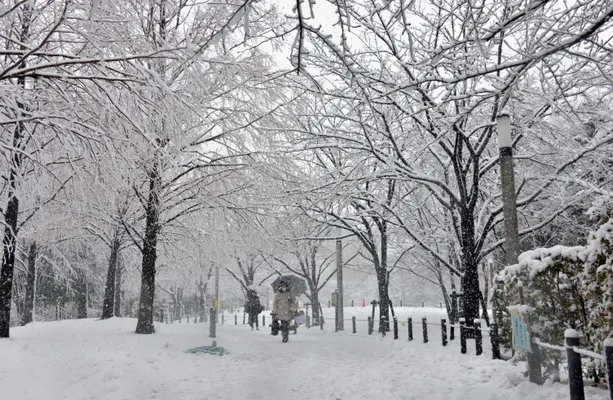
(507, 178)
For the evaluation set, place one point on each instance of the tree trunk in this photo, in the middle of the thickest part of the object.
(384, 300)
(111, 275)
(147, 292)
(9, 243)
(28, 312)
(486, 287)
(118, 277)
(201, 306)
(383, 282)
(470, 282)
(441, 283)
(81, 294)
(315, 306)
(178, 300)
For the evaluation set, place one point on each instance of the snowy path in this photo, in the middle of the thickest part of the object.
(89, 359)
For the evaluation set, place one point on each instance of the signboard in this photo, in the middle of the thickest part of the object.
(334, 298)
(521, 334)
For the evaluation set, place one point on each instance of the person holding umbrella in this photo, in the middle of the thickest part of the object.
(284, 307)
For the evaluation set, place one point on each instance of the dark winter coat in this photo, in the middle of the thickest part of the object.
(253, 305)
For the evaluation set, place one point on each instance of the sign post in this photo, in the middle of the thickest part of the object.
(522, 339)
(521, 334)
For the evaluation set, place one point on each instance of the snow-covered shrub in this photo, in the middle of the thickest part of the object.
(566, 287)
(598, 284)
(552, 286)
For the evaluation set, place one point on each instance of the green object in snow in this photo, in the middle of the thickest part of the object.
(214, 350)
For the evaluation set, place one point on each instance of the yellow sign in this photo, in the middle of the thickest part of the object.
(218, 304)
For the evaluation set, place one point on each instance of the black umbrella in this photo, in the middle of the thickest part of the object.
(297, 286)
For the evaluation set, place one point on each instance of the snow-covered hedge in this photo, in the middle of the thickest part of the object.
(598, 284)
(566, 287)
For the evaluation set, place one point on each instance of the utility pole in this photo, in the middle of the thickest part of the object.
(214, 311)
(509, 210)
(507, 179)
(217, 301)
(340, 325)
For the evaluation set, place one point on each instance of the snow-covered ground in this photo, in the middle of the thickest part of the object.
(90, 359)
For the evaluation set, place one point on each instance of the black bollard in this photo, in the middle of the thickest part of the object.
(462, 336)
(263, 320)
(321, 323)
(575, 375)
(608, 355)
(444, 331)
(495, 341)
(223, 319)
(478, 339)
(235, 319)
(244, 318)
(370, 325)
(352, 303)
(424, 325)
(410, 325)
(395, 328)
(451, 331)
(353, 323)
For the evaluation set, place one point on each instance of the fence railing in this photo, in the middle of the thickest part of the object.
(573, 354)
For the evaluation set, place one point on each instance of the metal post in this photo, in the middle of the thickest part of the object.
(395, 328)
(352, 303)
(263, 321)
(410, 325)
(462, 336)
(370, 325)
(478, 338)
(424, 325)
(244, 318)
(222, 319)
(213, 325)
(575, 375)
(235, 319)
(608, 354)
(353, 323)
(321, 323)
(444, 331)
